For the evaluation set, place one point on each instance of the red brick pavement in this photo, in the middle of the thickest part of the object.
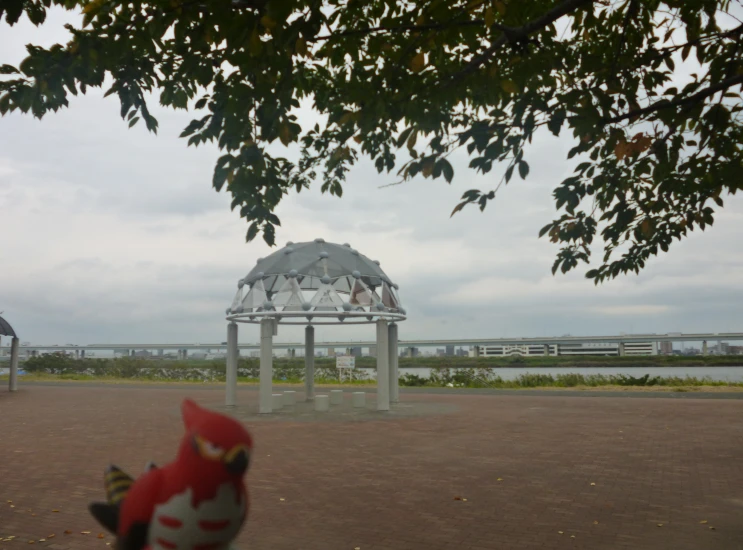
(526, 466)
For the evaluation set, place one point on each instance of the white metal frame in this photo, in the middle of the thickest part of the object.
(311, 318)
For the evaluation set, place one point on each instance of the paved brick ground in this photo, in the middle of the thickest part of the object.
(526, 466)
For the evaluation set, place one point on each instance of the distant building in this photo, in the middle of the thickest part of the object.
(722, 348)
(356, 351)
(533, 350)
(666, 348)
(411, 352)
(449, 351)
(372, 351)
(331, 352)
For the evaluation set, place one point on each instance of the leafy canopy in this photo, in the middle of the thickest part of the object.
(657, 145)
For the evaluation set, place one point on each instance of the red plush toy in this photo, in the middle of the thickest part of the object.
(197, 502)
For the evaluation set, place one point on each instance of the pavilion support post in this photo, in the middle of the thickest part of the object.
(231, 389)
(265, 404)
(383, 366)
(13, 379)
(309, 363)
(394, 375)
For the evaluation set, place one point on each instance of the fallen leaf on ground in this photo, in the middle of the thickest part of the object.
(67, 532)
(560, 533)
(660, 525)
(572, 536)
(55, 511)
(712, 528)
(703, 521)
(10, 501)
(596, 522)
(281, 499)
(464, 500)
(12, 505)
(84, 532)
(42, 540)
(50, 536)
(31, 541)
(101, 535)
(593, 484)
(457, 498)
(33, 515)
(500, 479)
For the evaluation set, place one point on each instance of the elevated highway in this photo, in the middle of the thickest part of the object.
(417, 343)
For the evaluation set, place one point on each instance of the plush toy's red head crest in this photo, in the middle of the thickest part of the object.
(219, 429)
(192, 414)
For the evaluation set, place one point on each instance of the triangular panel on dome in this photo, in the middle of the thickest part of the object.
(237, 299)
(361, 295)
(326, 299)
(255, 298)
(342, 284)
(289, 296)
(274, 283)
(388, 297)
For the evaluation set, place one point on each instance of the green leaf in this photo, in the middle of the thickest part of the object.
(509, 173)
(448, 170)
(252, 232)
(523, 169)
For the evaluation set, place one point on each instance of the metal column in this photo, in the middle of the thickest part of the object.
(265, 404)
(232, 352)
(383, 366)
(394, 375)
(309, 363)
(13, 378)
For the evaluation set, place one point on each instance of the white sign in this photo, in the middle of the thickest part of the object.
(345, 362)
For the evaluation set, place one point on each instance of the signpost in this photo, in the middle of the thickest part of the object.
(345, 365)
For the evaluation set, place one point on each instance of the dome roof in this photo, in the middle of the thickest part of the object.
(6, 329)
(316, 279)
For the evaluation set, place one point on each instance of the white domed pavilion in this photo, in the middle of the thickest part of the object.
(316, 283)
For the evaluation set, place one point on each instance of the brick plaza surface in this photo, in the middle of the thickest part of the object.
(526, 466)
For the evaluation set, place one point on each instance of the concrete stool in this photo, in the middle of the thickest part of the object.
(322, 403)
(336, 397)
(290, 398)
(277, 401)
(359, 399)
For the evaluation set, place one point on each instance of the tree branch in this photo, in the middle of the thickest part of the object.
(694, 98)
(400, 28)
(517, 34)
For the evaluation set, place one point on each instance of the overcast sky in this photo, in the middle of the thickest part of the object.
(115, 235)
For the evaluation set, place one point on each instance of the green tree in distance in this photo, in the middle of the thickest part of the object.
(649, 92)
